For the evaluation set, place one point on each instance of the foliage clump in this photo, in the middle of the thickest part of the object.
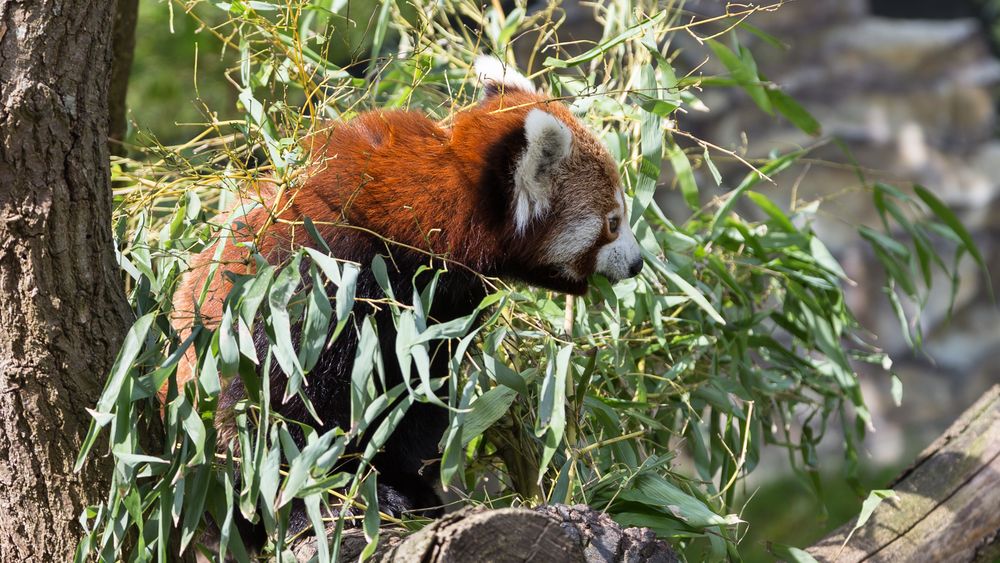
(650, 399)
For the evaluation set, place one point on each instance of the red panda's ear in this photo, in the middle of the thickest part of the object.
(497, 77)
(548, 143)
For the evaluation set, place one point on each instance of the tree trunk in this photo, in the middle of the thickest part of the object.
(549, 533)
(62, 307)
(123, 47)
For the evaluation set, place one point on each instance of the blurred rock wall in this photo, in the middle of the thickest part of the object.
(914, 101)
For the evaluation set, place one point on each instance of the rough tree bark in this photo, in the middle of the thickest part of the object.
(123, 47)
(567, 534)
(948, 503)
(62, 308)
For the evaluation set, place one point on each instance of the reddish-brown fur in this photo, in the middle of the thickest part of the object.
(412, 181)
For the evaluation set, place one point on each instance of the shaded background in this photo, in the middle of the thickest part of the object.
(909, 87)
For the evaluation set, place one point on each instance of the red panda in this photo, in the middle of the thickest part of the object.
(516, 187)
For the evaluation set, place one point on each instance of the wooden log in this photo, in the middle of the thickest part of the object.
(947, 509)
(948, 502)
(553, 533)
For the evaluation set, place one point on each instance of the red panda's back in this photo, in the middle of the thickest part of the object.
(392, 173)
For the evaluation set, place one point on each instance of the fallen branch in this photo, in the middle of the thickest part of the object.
(948, 503)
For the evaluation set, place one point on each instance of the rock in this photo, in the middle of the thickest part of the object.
(901, 47)
(915, 102)
(789, 17)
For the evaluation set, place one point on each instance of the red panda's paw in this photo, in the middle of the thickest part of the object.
(408, 496)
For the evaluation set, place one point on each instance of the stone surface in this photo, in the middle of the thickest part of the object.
(914, 101)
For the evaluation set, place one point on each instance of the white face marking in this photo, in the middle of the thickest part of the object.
(572, 242)
(549, 141)
(617, 259)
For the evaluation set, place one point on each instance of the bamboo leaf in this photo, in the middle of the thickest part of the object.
(750, 180)
(685, 176)
(485, 411)
(947, 216)
(798, 115)
(282, 290)
(744, 71)
(605, 46)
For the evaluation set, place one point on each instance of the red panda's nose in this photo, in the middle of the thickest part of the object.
(635, 268)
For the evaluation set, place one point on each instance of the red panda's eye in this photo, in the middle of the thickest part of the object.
(613, 224)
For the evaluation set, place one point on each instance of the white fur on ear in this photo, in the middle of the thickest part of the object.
(495, 75)
(549, 142)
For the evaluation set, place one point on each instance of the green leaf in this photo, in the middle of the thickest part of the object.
(254, 294)
(510, 27)
(257, 115)
(656, 106)
(283, 349)
(229, 349)
(787, 106)
(345, 296)
(317, 322)
(369, 492)
(651, 144)
(315, 513)
(246, 345)
(825, 258)
(269, 481)
(123, 363)
(499, 371)
(750, 180)
(947, 216)
(194, 427)
(301, 466)
(744, 71)
(791, 554)
(381, 26)
(552, 404)
(119, 371)
(605, 46)
(685, 176)
(452, 459)
(388, 425)
(457, 328)
(651, 489)
(773, 211)
(326, 263)
(317, 238)
(684, 286)
(711, 167)
(486, 410)
(868, 507)
(382, 277)
(362, 371)
(763, 35)
(194, 506)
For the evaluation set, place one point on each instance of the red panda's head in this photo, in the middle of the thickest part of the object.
(566, 207)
